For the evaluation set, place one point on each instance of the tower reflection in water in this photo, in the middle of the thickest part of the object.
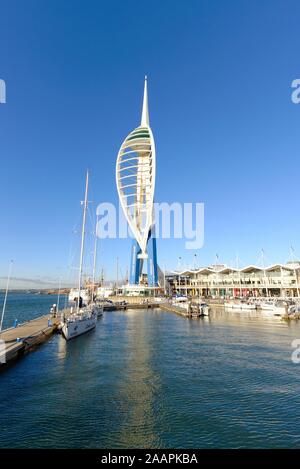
(140, 392)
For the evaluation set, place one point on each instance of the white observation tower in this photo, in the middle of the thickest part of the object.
(135, 177)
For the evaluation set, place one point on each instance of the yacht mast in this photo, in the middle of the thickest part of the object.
(58, 294)
(83, 235)
(6, 293)
(95, 259)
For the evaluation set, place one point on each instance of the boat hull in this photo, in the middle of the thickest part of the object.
(72, 329)
(205, 311)
(98, 310)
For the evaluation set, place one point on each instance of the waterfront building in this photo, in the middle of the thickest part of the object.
(279, 280)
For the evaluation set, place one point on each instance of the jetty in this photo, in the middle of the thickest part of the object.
(145, 305)
(174, 309)
(193, 310)
(17, 341)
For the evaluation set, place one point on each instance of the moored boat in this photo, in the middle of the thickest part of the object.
(204, 309)
(241, 305)
(98, 309)
(268, 305)
(275, 307)
(79, 323)
(84, 318)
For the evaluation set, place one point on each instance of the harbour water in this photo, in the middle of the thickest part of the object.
(148, 378)
(24, 306)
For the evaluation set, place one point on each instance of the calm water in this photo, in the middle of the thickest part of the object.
(153, 379)
(24, 306)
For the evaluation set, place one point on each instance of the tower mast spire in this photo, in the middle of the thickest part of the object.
(145, 112)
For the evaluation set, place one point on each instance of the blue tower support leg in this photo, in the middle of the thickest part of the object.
(136, 264)
(152, 270)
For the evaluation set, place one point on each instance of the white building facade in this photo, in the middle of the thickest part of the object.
(280, 280)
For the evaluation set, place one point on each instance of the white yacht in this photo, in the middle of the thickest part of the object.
(281, 308)
(204, 308)
(240, 305)
(268, 305)
(79, 322)
(275, 307)
(80, 319)
(98, 309)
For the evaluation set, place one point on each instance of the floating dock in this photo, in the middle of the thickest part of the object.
(174, 309)
(118, 307)
(146, 305)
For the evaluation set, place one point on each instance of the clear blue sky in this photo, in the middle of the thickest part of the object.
(226, 131)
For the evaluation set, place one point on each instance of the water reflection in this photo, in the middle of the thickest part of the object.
(154, 379)
(141, 386)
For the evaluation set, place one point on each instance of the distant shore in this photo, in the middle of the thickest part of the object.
(45, 291)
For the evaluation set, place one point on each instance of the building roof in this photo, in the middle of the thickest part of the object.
(251, 268)
(227, 270)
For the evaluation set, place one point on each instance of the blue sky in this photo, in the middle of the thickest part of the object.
(226, 130)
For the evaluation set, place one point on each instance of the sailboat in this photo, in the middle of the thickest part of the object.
(84, 318)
